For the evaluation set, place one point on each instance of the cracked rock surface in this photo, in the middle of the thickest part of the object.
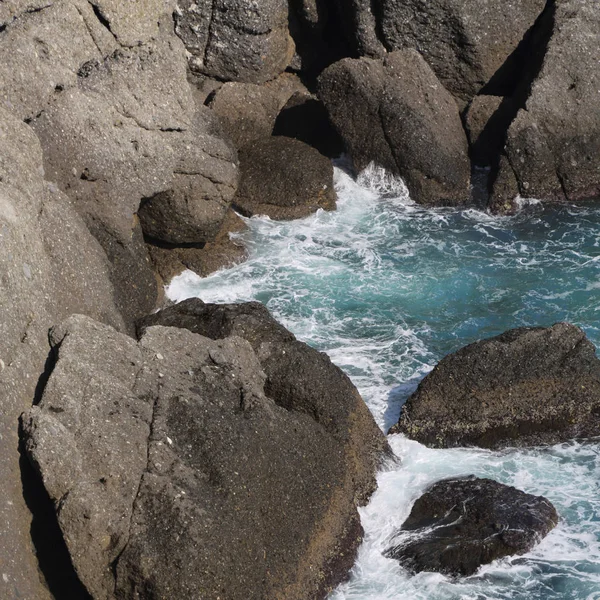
(177, 472)
(460, 524)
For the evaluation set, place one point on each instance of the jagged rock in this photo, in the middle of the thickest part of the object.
(554, 143)
(305, 118)
(284, 179)
(396, 113)
(130, 131)
(505, 190)
(177, 470)
(528, 386)
(246, 110)
(465, 42)
(50, 265)
(223, 252)
(234, 40)
(460, 524)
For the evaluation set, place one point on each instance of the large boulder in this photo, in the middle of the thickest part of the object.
(553, 145)
(176, 470)
(284, 179)
(528, 386)
(50, 265)
(458, 525)
(236, 40)
(466, 42)
(397, 114)
(129, 132)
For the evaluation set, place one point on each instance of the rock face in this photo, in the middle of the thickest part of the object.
(396, 113)
(50, 265)
(553, 144)
(235, 40)
(190, 474)
(528, 386)
(464, 41)
(284, 179)
(460, 524)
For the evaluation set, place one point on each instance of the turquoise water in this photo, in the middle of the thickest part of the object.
(387, 288)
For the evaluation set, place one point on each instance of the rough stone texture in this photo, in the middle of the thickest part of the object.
(284, 179)
(466, 42)
(554, 143)
(235, 40)
(130, 131)
(396, 113)
(505, 190)
(460, 524)
(528, 386)
(246, 110)
(135, 21)
(361, 24)
(305, 118)
(189, 475)
(223, 252)
(49, 266)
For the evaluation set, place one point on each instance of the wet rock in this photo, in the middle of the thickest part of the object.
(467, 44)
(188, 474)
(553, 144)
(305, 118)
(234, 40)
(528, 386)
(203, 259)
(396, 113)
(460, 524)
(284, 179)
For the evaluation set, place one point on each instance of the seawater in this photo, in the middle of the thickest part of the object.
(387, 288)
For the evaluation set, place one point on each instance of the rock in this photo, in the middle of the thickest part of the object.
(305, 118)
(360, 22)
(396, 113)
(553, 144)
(486, 120)
(129, 131)
(246, 110)
(528, 386)
(188, 474)
(284, 179)
(50, 265)
(505, 190)
(460, 524)
(204, 259)
(466, 43)
(234, 40)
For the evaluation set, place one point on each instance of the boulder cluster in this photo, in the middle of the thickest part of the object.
(132, 135)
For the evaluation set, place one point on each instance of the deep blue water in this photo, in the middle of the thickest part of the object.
(387, 288)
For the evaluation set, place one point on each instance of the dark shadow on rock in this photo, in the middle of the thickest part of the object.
(43, 380)
(51, 551)
(396, 399)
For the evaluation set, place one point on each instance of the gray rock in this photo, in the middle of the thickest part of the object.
(460, 524)
(235, 40)
(464, 41)
(528, 386)
(284, 179)
(553, 144)
(397, 114)
(246, 110)
(188, 474)
(49, 266)
(505, 190)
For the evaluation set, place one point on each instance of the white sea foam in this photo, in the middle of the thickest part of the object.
(386, 288)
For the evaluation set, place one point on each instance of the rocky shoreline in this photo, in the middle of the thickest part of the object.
(130, 133)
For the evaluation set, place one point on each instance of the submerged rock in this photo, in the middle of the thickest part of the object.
(284, 179)
(396, 113)
(526, 387)
(180, 469)
(460, 524)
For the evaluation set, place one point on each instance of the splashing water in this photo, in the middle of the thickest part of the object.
(387, 288)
